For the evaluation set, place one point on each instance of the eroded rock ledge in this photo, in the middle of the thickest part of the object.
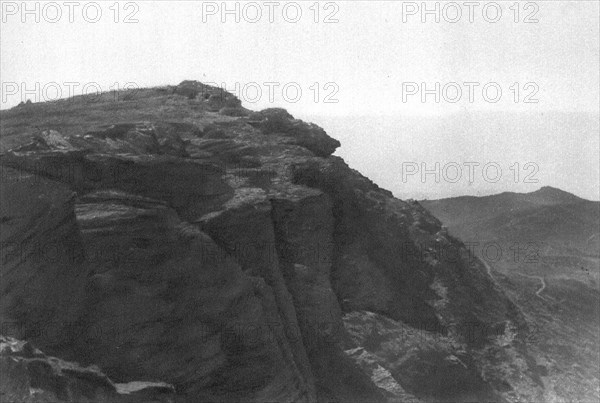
(28, 375)
(177, 237)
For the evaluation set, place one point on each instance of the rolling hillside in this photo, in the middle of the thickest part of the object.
(543, 249)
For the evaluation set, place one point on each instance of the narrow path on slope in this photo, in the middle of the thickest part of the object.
(488, 268)
(542, 280)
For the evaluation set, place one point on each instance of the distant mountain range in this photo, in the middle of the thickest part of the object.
(557, 221)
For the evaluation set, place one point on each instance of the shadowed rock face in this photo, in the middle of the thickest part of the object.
(28, 375)
(43, 276)
(226, 254)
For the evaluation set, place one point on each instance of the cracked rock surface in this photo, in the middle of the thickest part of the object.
(176, 237)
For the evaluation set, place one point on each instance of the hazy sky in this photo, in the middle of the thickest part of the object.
(370, 56)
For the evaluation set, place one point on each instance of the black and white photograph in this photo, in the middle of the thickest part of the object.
(312, 201)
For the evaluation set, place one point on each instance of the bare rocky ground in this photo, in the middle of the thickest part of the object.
(169, 235)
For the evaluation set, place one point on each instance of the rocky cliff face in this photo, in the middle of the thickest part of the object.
(177, 237)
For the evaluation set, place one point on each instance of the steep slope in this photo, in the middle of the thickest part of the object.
(228, 253)
(544, 248)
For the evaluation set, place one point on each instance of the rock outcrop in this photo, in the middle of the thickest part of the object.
(228, 253)
(29, 376)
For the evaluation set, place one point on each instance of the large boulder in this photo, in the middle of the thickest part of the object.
(277, 121)
(213, 98)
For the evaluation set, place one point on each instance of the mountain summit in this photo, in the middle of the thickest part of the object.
(171, 235)
(549, 195)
